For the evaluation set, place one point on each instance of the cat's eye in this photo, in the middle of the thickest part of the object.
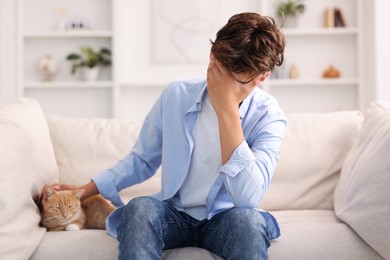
(70, 206)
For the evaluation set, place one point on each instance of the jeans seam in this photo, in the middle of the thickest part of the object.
(164, 227)
(225, 250)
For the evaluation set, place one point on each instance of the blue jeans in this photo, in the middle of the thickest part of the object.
(149, 226)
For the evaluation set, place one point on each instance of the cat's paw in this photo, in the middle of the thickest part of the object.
(72, 227)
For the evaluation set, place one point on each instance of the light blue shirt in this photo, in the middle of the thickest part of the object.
(165, 139)
(204, 165)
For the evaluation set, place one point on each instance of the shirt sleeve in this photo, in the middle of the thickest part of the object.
(248, 173)
(140, 164)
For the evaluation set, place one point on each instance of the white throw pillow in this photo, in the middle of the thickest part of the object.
(26, 163)
(86, 147)
(362, 196)
(312, 154)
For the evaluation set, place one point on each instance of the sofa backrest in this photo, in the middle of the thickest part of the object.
(311, 158)
(86, 147)
(362, 196)
(312, 155)
(27, 162)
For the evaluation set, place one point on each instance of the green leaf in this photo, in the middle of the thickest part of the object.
(88, 57)
(290, 7)
(73, 57)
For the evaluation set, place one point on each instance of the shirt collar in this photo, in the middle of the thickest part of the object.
(245, 104)
(197, 105)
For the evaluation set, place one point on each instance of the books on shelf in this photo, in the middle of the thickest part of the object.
(334, 17)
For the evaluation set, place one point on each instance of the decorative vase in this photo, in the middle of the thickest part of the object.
(293, 72)
(331, 72)
(61, 25)
(90, 74)
(49, 66)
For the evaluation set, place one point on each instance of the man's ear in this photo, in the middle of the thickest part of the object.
(260, 79)
(264, 76)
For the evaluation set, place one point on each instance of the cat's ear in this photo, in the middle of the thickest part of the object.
(78, 193)
(47, 191)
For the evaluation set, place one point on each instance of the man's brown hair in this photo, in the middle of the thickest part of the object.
(249, 43)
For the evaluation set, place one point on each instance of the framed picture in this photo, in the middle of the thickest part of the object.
(181, 30)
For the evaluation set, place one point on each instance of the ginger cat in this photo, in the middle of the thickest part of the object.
(63, 210)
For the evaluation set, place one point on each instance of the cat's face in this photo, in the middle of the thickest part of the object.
(59, 207)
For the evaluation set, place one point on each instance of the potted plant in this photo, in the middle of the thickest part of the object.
(89, 61)
(288, 12)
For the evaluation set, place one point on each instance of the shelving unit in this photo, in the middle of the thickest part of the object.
(130, 86)
(320, 31)
(69, 34)
(313, 82)
(69, 84)
(38, 35)
(312, 48)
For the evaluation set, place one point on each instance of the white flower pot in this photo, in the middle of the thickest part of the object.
(90, 74)
(290, 21)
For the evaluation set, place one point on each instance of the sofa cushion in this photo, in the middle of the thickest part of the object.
(312, 154)
(306, 234)
(26, 163)
(98, 244)
(317, 234)
(81, 245)
(362, 197)
(86, 147)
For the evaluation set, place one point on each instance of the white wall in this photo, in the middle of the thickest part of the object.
(8, 89)
(146, 80)
(377, 51)
(136, 39)
(141, 78)
(382, 49)
(369, 53)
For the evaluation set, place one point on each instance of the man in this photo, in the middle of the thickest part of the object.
(218, 143)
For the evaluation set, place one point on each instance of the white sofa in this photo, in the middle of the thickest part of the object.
(323, 214)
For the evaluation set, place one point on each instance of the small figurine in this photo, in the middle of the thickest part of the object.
(331, 72)
(293, 72)
(49, 66)
(61, 11)
(78, 25)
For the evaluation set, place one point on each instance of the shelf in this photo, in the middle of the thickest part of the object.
(312, 82)
(320, 31)
(67, 84)
(144, 84)
(69, 34)
(271, 82)
(310, 46)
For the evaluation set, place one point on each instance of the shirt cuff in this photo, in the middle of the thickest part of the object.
(240, 158)
(107, 188)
